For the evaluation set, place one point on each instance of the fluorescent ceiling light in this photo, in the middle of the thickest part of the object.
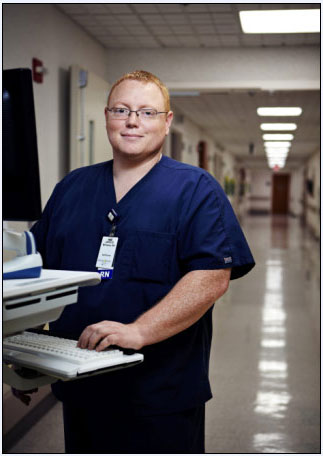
(272, 153)
(277, 149)
(277, 137)
(277, 157)
(277, 144)
(296, 111)
(281, 21)
(278, 126)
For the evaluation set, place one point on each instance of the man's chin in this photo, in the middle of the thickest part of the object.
(136, 156)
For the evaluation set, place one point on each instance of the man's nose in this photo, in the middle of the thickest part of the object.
(133, 118)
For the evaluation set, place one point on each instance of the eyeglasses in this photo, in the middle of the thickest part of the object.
(124, 113)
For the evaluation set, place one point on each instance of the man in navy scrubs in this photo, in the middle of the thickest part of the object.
(176, 245)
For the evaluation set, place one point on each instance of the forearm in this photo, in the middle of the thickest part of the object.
(190, 298)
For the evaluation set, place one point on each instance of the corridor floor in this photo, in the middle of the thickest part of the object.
(265, 361)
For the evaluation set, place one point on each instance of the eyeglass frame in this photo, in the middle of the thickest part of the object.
(137, 112)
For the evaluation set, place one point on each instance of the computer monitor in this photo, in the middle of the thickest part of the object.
(21, 184)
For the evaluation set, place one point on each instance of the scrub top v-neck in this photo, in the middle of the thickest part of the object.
(176, 219)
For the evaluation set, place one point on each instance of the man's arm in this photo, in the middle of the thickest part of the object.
(188, 300)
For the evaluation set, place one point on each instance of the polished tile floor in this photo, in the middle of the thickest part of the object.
(265, 362)
(265, 365)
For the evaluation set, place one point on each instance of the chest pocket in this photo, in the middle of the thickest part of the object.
(151, 256)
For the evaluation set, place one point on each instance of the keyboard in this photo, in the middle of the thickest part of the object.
(61, 357)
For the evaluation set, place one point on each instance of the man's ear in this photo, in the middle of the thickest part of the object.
(169, 119)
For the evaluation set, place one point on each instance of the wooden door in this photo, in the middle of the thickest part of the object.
(280, 195)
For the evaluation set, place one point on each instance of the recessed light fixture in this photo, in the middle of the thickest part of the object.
(277, 149)
(279, 111)
(277, 137)
(276, 144)
(278, 126)
(281, 21)
(276, 156)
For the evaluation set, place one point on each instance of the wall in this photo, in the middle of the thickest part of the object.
(296, 202)
(220, 163)
(312, 202)
(42, 31)
(260, 191)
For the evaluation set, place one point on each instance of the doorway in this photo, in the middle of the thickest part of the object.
(280, 195)
(202, 155)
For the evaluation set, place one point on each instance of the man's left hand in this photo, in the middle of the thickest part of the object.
(101, 335)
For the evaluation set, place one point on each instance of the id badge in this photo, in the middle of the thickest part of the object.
(106, 257)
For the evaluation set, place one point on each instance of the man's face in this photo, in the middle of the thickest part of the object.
(135, 137)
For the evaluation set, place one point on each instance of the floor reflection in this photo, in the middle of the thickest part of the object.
(273, 396)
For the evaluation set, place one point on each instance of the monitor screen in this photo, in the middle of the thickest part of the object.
(21, 200)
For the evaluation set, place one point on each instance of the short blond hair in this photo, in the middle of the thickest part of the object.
(145, 77)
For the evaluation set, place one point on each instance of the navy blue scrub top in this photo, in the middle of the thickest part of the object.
(176, 219)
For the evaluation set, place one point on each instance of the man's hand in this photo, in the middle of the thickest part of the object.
(100, 335)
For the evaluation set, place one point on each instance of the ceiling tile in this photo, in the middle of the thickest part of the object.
(173, 19)
(200, 18)
(117, 30)
(227, 28)
(209, 40)
(96, 8)
(223, 18)
(74, 8)
(85, 20)
(196, 8)
(161, 29)
(220, 8)
(119, 8)
(188, 40)
(182, 29)
(106, 19)
(145, 8)
(171, 8)
(229, 40)
(138, 30)
(169, 40)
(251, 40)
(205, 29)
(151, 42)
(153, 19)
(128, 19)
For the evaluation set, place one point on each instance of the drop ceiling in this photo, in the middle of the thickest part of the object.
(231, 116)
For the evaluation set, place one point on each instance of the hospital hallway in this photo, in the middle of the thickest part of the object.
(265, 361)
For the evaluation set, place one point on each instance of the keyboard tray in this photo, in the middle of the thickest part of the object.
(65, 366)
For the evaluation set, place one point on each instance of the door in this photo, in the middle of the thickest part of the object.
(202, 155)
(280, 196)
(88, 138)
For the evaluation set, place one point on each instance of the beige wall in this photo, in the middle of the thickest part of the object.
(41, 31)
(312, 202)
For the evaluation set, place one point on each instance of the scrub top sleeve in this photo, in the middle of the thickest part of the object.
(210, 236)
